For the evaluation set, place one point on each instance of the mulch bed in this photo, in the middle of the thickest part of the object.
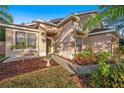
(91, 60)
(87, 60)
(17, 67)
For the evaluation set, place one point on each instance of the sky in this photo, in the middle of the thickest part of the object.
(28, 13)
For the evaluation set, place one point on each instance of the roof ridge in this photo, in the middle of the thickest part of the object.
(64, 18)
(75, 13)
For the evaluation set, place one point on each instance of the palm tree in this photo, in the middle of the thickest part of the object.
(118, 24)
(110, 13)
(5, 17)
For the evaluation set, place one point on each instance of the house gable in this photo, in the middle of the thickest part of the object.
(61, 32)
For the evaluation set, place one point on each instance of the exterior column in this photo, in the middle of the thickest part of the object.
(52, 45)
(42, 43)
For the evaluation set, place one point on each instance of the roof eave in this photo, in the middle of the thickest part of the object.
(17, 27)
(45, 22)
(102, 32)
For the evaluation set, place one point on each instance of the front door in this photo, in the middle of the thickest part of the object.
(48, 45)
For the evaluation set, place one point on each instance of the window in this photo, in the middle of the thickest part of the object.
(31, 42)
(20, 40)
(78, 44)
(25, 40)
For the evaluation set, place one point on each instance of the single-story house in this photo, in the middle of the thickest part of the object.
(59, 36)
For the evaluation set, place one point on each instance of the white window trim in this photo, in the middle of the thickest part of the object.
(36, 39)
(14, 40)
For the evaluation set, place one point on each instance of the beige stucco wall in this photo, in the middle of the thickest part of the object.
(100, 42)
(85, 43)
(85, 18)
(63, 41)
(2, 47)
(10, 41)
(42, 42)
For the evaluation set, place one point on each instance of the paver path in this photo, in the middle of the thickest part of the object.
(72, 68)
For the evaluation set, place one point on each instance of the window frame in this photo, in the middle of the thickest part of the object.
(17, 37)
(30, 38)
(79, 45)
(26, 32)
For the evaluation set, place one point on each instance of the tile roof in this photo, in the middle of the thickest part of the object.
(56, 21)
(99, 30)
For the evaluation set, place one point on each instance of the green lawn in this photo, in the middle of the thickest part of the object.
(2, 56)
(49, 77)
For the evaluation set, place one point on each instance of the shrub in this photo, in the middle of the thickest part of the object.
(117, 76)
(85, 53)
(85, 57)
(101, 72)
(118, 53)
(104, 55)
(121, 49)
(105, 76)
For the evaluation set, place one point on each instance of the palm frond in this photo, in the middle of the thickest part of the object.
(111, 12)
(7, 16)
(116, 12)
(4, 7)
(3, 20)
(93, 22)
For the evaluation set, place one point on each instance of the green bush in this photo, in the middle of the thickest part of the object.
(118, 53)
(85, 53)
(85, 57)
(101, 72)
(105, 76)
(104, 55)
(117, 76)
(121, 49)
